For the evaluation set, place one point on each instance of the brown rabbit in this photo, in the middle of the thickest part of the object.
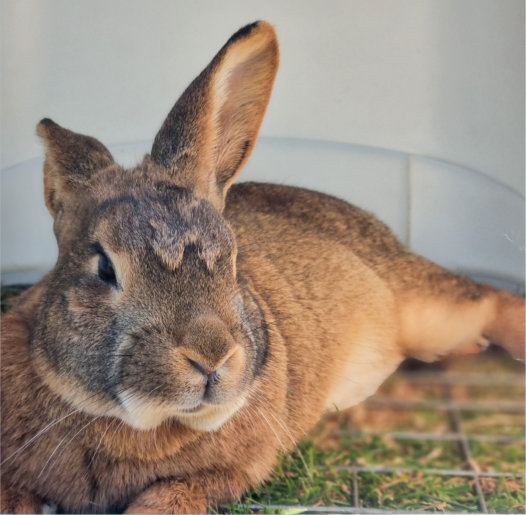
(185, 336)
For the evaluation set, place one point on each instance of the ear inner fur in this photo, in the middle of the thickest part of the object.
(212, 129)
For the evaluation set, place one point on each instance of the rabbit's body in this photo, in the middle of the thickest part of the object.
(174, 350)
(95, 465)
(326, 329)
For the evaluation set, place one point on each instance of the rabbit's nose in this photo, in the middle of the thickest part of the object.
(211, 376)
(208, 346)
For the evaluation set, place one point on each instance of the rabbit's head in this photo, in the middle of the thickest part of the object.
(144, 317)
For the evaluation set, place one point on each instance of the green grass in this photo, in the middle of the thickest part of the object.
(497, 456)
(8, 294)
(302, 479)
(320, 484)
(417, 492)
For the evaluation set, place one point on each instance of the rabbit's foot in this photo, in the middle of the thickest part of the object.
(481, 344)
(172, 496)
(13, 501)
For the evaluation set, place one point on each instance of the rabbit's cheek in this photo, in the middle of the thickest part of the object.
(69, 334)
(87, 308)
(70, 389)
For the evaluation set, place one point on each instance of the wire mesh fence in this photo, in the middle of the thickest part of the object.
(475, 407)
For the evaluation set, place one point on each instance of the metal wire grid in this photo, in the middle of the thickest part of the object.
(454, 409)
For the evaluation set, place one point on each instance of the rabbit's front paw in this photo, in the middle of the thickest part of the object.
(16, 502)
(170, 497)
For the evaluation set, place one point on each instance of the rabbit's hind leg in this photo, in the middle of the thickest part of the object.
(447, 314)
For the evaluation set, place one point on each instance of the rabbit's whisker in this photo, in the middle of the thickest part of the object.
(91, 398)
(95, 452)
(293, 441)
(257, 395)
(117, 429)
(64, 447)
(271, 427)
(41, 432)
(85, 403)
(109, 426)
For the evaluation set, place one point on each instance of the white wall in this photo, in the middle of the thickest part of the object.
(443, 78)
(436, 78)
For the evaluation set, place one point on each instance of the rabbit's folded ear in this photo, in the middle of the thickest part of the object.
(211, 131)
(71, 159)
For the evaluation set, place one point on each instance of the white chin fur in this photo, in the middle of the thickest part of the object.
(211, 417)
(141, 413)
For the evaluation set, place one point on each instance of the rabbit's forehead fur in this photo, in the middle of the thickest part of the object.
(140, 210)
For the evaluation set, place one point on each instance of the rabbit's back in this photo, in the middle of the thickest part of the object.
(351, 298)
(302, 225)
(302, 216)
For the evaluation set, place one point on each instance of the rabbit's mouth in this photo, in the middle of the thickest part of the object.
(210, 417)
(142, 413)
(195, 409)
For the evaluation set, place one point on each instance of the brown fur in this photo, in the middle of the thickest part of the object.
(260, 316)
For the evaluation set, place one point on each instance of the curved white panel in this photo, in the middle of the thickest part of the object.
(465, 221)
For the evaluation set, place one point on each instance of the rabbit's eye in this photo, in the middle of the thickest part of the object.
(105, 269)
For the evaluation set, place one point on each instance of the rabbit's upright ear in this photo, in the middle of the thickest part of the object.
(211, 131)
(71, 159)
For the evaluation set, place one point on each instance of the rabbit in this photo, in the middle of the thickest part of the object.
(192, 329)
